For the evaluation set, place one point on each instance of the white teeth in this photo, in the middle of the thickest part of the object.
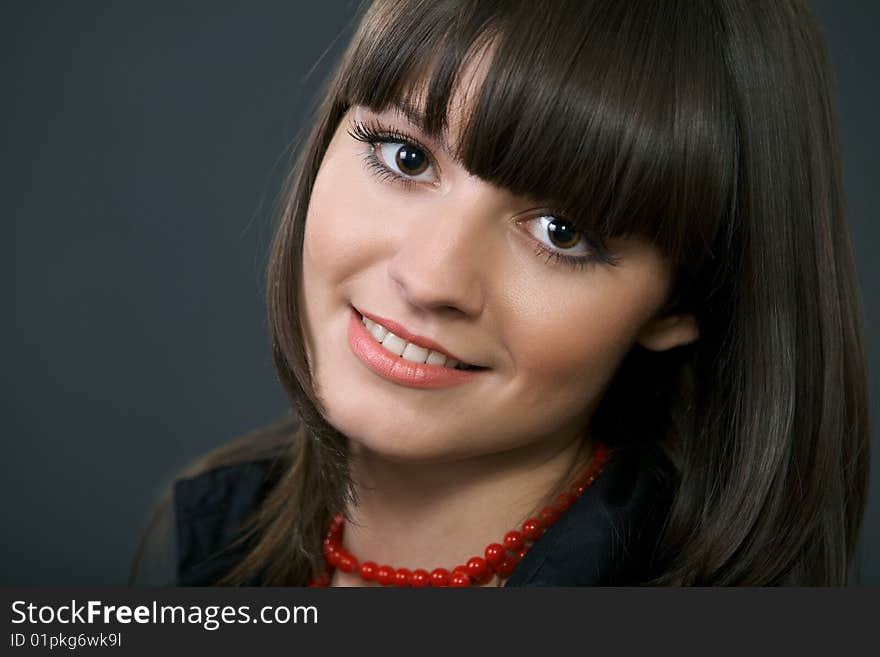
(379, 332)
(376, 330)
(394, 344)
(415, 353)
(407, 350)
(436, 358)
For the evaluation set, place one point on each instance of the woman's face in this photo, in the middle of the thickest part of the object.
(399, 231)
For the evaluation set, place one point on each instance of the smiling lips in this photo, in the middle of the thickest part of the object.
(401, 361)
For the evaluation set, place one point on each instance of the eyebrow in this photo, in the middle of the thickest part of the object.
(416, 117)
(412, 112)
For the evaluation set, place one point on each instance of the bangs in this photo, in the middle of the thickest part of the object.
(589, 106)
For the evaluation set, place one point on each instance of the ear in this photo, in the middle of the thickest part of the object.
(666, 331)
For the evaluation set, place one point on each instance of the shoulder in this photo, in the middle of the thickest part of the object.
(608, 536)
(198, 532)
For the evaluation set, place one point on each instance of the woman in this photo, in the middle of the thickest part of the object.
(671, 392)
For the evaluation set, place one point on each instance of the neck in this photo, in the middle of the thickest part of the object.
(441, 514)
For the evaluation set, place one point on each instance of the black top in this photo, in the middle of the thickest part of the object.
(606, 537)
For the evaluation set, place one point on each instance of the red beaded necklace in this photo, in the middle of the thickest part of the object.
(498, 558)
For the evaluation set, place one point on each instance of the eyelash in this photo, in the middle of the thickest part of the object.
(600, 255)
(371, 134)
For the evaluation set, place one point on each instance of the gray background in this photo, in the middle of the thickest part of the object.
(142, 150)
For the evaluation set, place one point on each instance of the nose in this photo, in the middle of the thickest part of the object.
(441, 260)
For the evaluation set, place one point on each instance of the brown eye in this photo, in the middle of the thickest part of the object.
(411, 160)
(562, 234)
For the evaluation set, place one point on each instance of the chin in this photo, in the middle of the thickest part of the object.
(389, 436)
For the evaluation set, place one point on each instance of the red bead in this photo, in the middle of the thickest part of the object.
(333, 557)
(580, 490)
(439, 577)
(563, 501)
(477, 568)
(420, 578)
(532, 529)
(495, 553)
(385, 575)
(513, 540)
(368, 570)
(460, 579)
(521, 553)
(402, 577)
(347, 563)
(549, 515)
(505, 568)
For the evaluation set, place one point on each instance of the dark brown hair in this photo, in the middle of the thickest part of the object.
(705, 126)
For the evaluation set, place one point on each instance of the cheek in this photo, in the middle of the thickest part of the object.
(334, 235)
(566, 349)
